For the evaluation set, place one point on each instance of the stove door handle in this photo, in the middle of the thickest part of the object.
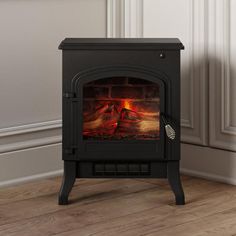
(170, 132)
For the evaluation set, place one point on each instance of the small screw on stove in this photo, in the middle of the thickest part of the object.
(162, 55)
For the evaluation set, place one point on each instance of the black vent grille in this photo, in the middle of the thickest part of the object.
(121, 169)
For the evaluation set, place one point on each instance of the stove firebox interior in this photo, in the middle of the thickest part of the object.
(121, 110)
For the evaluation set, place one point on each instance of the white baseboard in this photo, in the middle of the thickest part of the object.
(208, 176)
(45, 161)
(30, 164)
(208, 163)
(31, 178)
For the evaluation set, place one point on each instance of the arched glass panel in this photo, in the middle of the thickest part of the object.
(121, 108)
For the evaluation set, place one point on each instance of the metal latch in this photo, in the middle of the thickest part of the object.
(69, 151)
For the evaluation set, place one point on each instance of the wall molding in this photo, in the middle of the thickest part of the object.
(30, 128)
(205, 175)
(194, 129)
(112, 18)
(23, 180)
(132, 18)
(226, 102)
(30, 135)
(26, 144)
(189, 123)
(30, 164)
(195, 162)
(124, 18)
(186, 123)
(222, 133)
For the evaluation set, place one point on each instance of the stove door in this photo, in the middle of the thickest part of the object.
(116, 115)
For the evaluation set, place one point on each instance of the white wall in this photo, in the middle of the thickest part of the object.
(30, 74)
(30, 64)
(185, 19)
(208, 118)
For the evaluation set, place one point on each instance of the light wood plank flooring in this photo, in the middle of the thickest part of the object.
(124, 207)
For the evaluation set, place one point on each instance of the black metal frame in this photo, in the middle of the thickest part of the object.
(87, 60)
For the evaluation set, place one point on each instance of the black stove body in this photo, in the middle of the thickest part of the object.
(121, 110)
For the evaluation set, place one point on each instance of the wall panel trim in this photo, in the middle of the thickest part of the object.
(195, 129)
(30, 128)
(30, 164)
(124, 18)
(30, 135)
(222, 133)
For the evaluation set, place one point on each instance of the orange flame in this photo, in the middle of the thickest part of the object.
(127, 104)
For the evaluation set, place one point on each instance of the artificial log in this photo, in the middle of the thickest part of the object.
(108, 121)
(103, 120)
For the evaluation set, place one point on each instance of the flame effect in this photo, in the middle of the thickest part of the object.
(127, 105)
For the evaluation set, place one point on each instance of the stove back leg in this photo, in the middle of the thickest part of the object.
(175, 182)
(67, 182)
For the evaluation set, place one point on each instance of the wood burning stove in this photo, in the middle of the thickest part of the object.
(121, 110)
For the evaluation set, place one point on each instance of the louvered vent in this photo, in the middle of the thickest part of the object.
(121, 169)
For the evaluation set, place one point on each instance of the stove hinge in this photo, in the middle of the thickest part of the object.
(69, 150)
(69, 95)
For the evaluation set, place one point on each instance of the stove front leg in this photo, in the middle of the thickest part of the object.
(175, 182)
(67, 182)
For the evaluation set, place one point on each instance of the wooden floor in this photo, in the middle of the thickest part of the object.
(124, 207)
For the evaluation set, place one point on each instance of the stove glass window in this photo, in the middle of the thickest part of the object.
(121, 108)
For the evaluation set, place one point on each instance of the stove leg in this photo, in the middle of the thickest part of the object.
(67, 182)
(175, 182)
